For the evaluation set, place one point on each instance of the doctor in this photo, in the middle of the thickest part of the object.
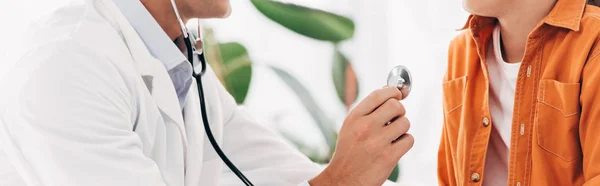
(101, 93)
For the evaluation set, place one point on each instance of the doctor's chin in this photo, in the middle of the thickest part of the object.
(299, 92)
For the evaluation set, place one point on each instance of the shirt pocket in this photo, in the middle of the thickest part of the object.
(454, 91)
(558, 119)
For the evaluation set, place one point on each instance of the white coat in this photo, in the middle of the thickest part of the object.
(72, 93)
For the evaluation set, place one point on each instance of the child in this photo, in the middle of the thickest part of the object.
(522, 95)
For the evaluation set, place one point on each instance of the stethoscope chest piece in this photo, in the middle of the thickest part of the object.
(400, 77)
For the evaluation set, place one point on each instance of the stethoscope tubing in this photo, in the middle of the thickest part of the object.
(191, 51)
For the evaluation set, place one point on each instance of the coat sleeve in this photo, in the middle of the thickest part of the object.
(590, 115)
(263, 156)
(66, 118)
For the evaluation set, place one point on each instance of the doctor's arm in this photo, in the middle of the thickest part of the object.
(366, 153)
(262, 155)
(68, 121)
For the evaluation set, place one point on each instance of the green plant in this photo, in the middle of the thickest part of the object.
(231, 64)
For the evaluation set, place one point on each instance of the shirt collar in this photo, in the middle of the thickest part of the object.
(156, 40)
(565, 14)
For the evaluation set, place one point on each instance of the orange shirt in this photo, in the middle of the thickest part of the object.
(556, 121)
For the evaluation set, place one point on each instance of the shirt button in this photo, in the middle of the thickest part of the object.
(475, 177)
(486, 121)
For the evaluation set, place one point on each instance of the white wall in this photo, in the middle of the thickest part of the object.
(420, 32)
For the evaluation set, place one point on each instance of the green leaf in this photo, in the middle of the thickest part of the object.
(344, 79)
(395, 174)
(316, 24)
(237, 70)
(229, 61)
(212, 53)
(324, 123)
(231, 51)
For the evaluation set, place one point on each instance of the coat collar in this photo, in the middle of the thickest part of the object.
(567, 14)
(156, 40)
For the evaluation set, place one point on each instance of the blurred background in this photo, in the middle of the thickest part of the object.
(308, 67)
(299, 68)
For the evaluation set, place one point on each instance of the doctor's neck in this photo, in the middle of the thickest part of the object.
(163, 13)
(517, 22)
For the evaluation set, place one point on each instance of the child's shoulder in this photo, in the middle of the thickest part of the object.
(461, 53)
(461, 40)
(591, 10)
(590, 25)
(591, 17)
(462, 47)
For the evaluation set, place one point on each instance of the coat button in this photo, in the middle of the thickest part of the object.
(475, 177)
(486, 121)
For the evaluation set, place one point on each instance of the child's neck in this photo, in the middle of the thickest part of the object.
(517, 23)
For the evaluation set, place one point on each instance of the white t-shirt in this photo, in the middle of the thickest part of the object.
(503, 80)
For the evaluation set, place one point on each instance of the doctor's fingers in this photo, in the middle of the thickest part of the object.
(376, 99)
(392, 132)
(387, 112)
(402, 145)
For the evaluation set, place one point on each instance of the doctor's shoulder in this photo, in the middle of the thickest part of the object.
(74, 43)
(73, 32)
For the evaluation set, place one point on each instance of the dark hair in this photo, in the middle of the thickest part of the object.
(594, 2)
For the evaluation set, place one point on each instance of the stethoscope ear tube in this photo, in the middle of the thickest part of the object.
(191, 51)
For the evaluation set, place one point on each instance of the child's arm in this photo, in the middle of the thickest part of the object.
(589, 124)
(446, 174)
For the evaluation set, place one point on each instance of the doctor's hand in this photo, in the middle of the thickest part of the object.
(371, 142)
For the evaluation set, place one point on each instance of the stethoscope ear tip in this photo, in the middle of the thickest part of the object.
(400, 77)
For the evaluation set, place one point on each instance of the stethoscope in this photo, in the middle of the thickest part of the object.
(191, 51)
(399, 77)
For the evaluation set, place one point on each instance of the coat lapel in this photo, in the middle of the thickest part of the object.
(152, 72)
(194, 129)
